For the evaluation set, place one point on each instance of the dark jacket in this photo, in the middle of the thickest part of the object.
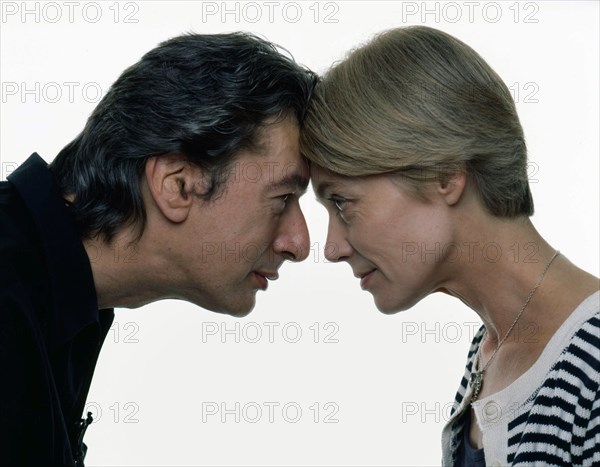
(50, 328)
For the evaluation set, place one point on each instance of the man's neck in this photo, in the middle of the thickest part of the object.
(121, 272)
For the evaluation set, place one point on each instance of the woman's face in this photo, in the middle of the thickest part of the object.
(393, 240)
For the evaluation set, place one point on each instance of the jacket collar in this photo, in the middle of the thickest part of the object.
(74, 303)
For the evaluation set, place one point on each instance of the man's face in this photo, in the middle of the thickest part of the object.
(237, 241)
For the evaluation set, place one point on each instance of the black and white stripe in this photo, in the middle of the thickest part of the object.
(559, 424)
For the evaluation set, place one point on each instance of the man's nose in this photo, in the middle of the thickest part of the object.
(293, 240)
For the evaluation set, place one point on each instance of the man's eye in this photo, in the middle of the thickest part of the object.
(285, 199)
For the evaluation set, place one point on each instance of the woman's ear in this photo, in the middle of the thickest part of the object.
(452, 187)
(171, 179)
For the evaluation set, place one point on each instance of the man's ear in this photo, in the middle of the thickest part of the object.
(171, 179)
(452, 187)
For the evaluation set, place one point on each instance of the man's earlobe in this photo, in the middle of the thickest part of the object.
(170, 180)
(452, 187)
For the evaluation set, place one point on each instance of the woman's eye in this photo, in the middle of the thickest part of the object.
(339, 204)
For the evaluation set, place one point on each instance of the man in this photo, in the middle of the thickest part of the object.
(190, 167)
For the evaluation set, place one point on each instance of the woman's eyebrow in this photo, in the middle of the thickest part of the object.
(323, 189)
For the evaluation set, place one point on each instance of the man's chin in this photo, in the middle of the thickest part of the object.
(240, 313)
(237, 309)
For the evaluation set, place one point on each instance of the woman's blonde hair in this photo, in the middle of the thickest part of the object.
(419, 103)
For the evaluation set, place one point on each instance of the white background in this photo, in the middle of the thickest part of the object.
(387, 379)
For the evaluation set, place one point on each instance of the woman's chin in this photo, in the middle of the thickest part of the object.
(390, 307)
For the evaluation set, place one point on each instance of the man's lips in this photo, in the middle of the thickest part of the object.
(263, 276)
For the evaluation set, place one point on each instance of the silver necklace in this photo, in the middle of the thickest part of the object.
(477, 376)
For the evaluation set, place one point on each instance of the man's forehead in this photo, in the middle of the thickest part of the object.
(278, 134)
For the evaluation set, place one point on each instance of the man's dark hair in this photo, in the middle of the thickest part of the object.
(205, 97)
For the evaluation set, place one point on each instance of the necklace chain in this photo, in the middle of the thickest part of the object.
(477, 376)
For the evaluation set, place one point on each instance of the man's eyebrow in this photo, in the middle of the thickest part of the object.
(295, 182)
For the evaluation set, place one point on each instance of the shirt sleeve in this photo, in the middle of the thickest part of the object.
(591, 445)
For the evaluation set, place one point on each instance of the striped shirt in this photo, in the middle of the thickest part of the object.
(550, 415)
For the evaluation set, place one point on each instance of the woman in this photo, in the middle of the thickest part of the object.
(416, 148)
